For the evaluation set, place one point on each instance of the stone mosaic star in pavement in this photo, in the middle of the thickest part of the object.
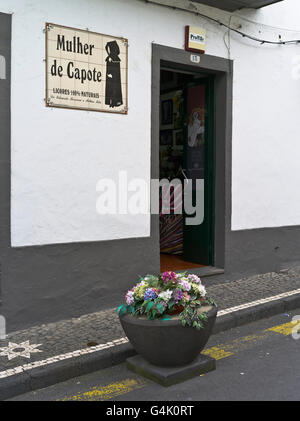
(23, 349)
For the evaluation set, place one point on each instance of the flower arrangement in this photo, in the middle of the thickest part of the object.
(159, 297)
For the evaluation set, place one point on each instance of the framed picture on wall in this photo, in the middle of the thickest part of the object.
(167, 112)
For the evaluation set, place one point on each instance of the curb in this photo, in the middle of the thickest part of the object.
(41, 377)
(252, 314)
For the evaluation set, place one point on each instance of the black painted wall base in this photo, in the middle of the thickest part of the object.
(262, 250)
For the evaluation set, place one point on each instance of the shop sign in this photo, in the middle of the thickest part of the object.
(86, 70)
(195, 39)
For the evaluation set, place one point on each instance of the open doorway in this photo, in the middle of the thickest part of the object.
(186, 150)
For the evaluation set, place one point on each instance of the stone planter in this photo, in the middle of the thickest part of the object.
(167, 343)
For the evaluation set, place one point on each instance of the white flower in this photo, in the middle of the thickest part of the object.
(166, 295)
(141, 284)
(202, 290)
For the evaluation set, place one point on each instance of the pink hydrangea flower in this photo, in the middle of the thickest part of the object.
(186, 296)
(169, 277)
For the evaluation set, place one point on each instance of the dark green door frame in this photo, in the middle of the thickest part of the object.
(222, 69)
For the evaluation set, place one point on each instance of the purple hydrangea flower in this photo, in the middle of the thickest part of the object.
(150, 294)
(195, 279)
(185, 284)
(129, 297)
(177, 295)
(169, 277)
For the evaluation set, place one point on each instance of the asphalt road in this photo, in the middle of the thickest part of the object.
(259, 361)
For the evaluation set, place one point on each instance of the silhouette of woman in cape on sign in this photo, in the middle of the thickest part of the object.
(113, 89)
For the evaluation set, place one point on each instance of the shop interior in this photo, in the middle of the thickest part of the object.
(173, 136)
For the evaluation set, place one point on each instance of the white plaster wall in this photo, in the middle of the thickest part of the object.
(266, 149)
(59, 155)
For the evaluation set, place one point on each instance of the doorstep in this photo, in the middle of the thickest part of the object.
(207, 271)
(56, 352)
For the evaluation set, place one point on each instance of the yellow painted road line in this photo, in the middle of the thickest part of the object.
(285, 329)
(217, 353)
(104, 393)
(228, 349)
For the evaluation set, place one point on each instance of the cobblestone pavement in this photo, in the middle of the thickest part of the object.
(103, 326)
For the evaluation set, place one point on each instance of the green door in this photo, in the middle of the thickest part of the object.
(198, 230)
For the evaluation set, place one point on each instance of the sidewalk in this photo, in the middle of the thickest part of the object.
(47, 354)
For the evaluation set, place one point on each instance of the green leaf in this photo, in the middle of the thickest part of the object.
(131, 309)
(171, 303)
(160, 308)
(149, 305)
(123, 310)
(182, 274)
(152, 314)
